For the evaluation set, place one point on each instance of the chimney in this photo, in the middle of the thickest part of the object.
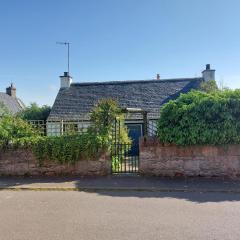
(65, 80)
(208, 74)
(158, 76)
(11, 91)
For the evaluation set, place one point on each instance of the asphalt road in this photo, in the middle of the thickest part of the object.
(26, 215)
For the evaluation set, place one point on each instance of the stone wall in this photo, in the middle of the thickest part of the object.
(23, 162)
(171, 160)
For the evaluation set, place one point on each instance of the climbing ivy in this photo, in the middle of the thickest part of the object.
(69, 148)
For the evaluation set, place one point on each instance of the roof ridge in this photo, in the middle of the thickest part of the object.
(136, 81)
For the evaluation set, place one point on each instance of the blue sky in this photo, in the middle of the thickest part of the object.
(115, 40)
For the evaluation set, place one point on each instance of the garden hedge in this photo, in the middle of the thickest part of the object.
(201, 118)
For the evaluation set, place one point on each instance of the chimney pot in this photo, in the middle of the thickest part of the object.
(11, 91)
(158, 76)
(208, 67)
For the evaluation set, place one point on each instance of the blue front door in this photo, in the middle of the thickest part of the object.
(134, 132)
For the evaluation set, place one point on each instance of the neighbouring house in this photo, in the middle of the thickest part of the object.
(10, 100)
(74, 101)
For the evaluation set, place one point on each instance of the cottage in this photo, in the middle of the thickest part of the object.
(74, 101)
(10, 100)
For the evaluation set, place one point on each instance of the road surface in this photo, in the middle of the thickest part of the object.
(68, 215)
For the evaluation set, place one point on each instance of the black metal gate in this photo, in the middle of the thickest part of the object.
(124, 159)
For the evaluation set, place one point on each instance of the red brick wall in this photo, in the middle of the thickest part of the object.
(23, 162)
(171, 160)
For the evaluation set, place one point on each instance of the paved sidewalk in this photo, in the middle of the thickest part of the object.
(136, 183)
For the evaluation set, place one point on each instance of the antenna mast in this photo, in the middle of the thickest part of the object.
(68, 51)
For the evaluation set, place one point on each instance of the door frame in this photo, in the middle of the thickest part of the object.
(136, 123)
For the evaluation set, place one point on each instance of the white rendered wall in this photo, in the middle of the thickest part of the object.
(54, 129)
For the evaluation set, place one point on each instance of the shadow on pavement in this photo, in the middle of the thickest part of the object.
(199, 190)
(197, 197)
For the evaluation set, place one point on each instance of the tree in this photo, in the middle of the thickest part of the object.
(210, 86)
(35, 112)
(103, 117)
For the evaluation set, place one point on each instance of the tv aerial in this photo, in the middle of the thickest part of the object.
(67, 44)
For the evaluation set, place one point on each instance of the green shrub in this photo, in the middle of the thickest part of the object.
(12, 128)
(103, 116)
(17, 133)
(201, 118)
(3, 110)
(209, 87)
(116, 163)
(61, 149)
(35, 112)
(67, 148)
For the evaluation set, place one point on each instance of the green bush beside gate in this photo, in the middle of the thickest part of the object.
(201, 118)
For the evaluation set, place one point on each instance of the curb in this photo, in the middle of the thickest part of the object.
(101, 189)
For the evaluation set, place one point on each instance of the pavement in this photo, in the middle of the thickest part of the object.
(118, 183)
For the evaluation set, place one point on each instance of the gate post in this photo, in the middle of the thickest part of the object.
(145, 127)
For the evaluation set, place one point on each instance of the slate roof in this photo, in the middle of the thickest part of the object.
(13, 105)
(77, 101)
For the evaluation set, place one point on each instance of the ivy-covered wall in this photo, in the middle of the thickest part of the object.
(72, 145)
